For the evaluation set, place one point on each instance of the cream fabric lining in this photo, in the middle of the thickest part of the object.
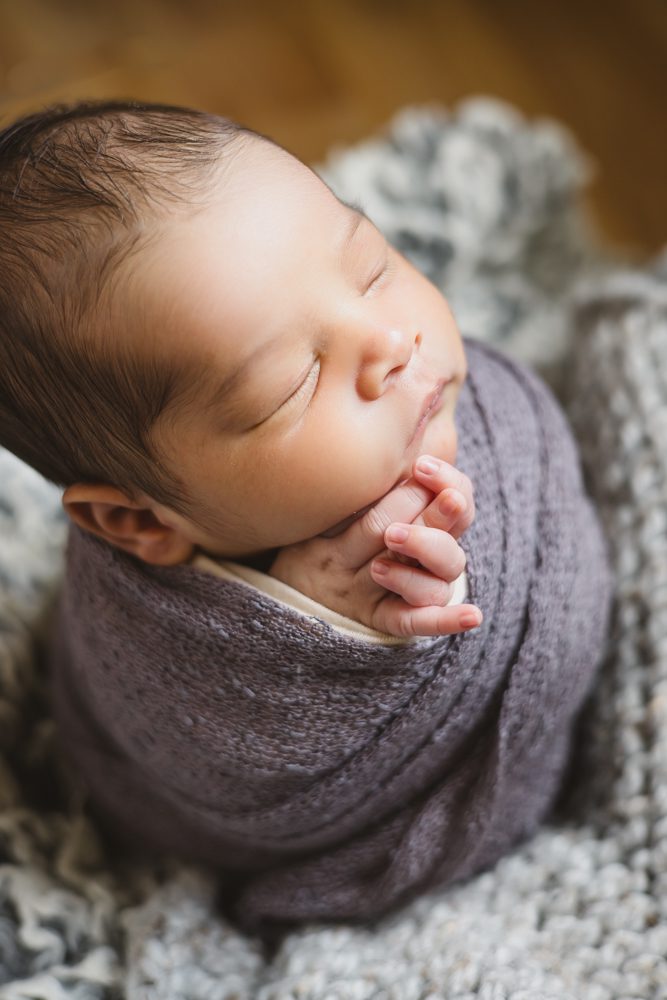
(282, 592)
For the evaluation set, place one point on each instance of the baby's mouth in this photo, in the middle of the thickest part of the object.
(432, 404)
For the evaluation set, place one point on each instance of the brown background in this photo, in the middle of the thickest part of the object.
(314, 73)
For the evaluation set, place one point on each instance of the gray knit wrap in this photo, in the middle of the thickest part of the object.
(341, 776)
(578, 911)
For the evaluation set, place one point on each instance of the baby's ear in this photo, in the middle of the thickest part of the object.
(107, 512)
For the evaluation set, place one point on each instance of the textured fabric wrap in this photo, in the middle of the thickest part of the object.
(326, 777)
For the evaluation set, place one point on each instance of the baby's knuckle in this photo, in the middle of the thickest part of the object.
(422, 597)
(392, 618)
(375, 523)
(385, 620)
(442, 594)
(444, 506)
(406, 624)
(415, 494)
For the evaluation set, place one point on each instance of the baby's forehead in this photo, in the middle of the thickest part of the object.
(245, 262)
(275, 170)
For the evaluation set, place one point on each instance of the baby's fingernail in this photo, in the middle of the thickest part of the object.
(427, 465)
(397, 533)
(471, 619)
(379, 568)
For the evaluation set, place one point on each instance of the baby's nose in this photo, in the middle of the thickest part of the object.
(385, 354)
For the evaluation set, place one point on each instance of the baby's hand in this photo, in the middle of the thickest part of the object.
(410, 597)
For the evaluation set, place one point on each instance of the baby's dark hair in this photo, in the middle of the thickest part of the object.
(78, 185)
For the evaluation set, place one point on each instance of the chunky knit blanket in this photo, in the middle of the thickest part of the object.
(342, 776)
(488, 205)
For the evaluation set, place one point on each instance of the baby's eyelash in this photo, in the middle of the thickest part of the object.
(380, 279)
(305, 385)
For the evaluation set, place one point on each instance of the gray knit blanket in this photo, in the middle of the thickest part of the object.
(335, 778)
(488, 205)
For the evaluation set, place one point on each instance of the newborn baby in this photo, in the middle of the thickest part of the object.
(294, 363)
(322, 363)
(250, 398)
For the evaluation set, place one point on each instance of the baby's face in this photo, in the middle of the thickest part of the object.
(322, 344)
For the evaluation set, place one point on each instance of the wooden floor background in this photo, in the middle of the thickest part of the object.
(314, 73)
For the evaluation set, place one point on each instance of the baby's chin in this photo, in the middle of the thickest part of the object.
(439, 439)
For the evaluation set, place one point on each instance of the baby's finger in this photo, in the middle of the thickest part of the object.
(397, 618)
(365, 537)
(414, 584)
(434, 549)
(440, 476)
(447, 512)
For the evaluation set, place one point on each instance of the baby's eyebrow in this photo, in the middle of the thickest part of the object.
(353, 223)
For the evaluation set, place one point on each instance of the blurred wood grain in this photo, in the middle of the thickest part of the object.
(330, 72)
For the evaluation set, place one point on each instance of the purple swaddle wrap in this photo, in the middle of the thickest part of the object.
(331, 777)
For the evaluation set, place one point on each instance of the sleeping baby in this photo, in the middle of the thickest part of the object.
(269, 654)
